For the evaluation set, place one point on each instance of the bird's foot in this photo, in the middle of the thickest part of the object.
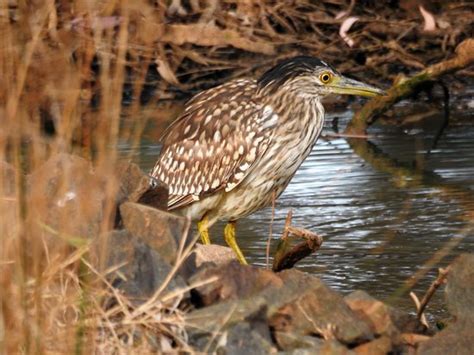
(229, 236)
(204, 231)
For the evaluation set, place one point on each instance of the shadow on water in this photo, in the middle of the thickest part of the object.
(384, 209)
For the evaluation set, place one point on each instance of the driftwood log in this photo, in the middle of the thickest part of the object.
(287, 254)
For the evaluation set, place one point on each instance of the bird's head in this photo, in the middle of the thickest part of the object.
(311, 77)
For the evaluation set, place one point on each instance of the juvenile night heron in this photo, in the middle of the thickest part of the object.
(239, 144)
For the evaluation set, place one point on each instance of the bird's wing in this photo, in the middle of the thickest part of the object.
(214, 143)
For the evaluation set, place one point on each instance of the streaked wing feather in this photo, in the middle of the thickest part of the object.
(214, 143)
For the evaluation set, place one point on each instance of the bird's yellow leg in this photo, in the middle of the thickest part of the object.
(204, 230)
(229, 236)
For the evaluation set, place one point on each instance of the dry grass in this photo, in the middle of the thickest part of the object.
(51, 297)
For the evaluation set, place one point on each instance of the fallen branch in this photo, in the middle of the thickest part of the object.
(421, 305)
(372, 109)
(422, 317)
(286, 255)
(442, 274)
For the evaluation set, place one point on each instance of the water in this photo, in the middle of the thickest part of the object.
(381, 222)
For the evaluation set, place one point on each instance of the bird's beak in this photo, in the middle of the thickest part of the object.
(346, 86)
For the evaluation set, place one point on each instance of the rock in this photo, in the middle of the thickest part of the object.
(250, 334)
(234, 281)
(222, 315)
(373, 311)
(67, 199)
(333, 347)
(382, 318)
(143, 270)
(132, 182)
(460, 288)
(306, 306)
(243, 338)
(217, 254)
(161, 230)
(134, 186)
(300, 304)
(327, 347)
(289, 341)
(412, 339)
(379, 346)
(156, 197)
(455, 339)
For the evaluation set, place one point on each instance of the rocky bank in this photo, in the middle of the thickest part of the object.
(230, 308)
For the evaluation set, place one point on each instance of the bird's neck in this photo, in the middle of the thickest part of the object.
(296, 110)
(300, 121)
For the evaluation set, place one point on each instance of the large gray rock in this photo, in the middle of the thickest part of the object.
(212, 253)
(138, 270)
(161, 230)
(244, 338)
(222, 315)
(290, 341)
(66, 199)
(249, 335)
(300, 304)
(231, 281)
(307, 306)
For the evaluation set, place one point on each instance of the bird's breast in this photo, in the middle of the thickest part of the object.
(292, 141)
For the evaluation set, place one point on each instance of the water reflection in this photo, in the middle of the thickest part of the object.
(381, 223)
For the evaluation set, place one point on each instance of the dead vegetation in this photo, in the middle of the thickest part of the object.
(186, 46)
(374, 39)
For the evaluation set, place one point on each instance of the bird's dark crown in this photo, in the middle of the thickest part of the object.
(291, 68)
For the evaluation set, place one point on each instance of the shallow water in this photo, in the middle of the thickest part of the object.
(379, 228)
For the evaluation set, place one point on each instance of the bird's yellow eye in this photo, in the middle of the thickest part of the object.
(325, 77)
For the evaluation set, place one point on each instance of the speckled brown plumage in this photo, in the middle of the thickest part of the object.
(213, 144)
(239, 144)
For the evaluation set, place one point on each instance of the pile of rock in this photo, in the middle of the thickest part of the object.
(254, 310)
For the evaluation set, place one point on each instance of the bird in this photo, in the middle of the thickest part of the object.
(236, 146)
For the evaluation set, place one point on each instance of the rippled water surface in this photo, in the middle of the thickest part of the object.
(380, 222)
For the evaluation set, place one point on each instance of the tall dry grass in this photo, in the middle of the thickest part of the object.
(64, 64)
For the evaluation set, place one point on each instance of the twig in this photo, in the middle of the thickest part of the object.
(289, 216)
(417, 302)
(442, 274)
